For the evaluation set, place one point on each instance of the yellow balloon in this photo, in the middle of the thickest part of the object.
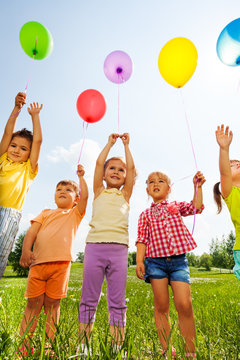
(177, 61)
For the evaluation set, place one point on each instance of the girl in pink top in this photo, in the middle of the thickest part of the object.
(162, 241)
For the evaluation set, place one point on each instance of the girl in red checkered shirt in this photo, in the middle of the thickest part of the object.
(163, 240)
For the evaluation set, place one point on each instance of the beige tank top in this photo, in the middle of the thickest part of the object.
(109, 222)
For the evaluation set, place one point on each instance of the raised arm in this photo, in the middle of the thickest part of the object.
(20, 100)
(27, 256)
(130, 175)
(34, 111)
(198, 181)
(224, 139)
(82, 203)
(99, 169)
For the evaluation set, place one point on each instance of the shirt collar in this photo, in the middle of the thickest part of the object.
(164, 202)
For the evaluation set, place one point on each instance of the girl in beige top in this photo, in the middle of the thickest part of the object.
(106, 252)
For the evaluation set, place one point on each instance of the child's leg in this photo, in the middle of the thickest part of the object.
(52, 311)
(8, 229)
(183, 303)
(161, 310)
(30, 316)
(116, 276)
(93, 276)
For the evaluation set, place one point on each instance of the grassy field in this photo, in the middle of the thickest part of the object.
(216, 302)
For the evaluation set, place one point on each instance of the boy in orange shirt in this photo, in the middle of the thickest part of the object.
(51, 233)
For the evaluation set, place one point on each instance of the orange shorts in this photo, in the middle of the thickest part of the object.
(48, 278)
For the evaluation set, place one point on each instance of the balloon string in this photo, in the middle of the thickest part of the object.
(83, 140)
(34, 53)
(189, 131)
(195, 160)
(118, 104)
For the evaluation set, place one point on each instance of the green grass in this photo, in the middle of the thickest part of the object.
(216, 302)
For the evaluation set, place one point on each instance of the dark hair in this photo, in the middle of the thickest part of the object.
(70, 182)
(217, 196)
(24, 133)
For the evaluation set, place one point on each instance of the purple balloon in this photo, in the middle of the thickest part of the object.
(118, 67)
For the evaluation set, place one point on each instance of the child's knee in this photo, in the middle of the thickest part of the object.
(50, 303)
(35, 303)
(185, 308)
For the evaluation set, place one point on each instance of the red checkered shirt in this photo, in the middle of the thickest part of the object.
(162, 230)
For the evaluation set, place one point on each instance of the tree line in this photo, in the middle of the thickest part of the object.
(220, 255)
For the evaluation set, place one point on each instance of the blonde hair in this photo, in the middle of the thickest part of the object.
(161, 175)
(74, 185)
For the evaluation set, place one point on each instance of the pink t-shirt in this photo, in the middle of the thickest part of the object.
(55, 237)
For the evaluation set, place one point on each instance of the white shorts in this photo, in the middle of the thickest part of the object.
(9, 223)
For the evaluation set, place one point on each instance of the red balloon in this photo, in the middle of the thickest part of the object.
(91, 105)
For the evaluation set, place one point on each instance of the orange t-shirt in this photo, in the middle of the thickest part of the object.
(55, 237)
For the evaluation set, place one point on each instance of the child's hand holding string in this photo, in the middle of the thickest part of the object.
(224, 136)
(112, 139)
(80, 170)
(20, 100)
(125, 138)
(198, 179)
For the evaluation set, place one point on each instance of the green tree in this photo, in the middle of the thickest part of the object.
(130, 259)
(16, 255)
(134, 258)
(193, 260)
(205, 261)
(80, 257)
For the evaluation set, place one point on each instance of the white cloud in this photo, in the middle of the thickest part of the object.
(90, 152)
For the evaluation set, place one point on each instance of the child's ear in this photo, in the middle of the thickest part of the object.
(169, 190)
(77, 198)
(147, 191)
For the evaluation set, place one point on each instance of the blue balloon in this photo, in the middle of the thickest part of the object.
(228, 44)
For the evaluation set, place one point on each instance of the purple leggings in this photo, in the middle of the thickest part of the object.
(110, 260)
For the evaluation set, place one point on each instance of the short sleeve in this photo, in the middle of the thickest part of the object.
(143, 229)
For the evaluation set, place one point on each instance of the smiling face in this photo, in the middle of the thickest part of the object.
(19, 149)
(65, 196)
(115, 174)
(158, 186)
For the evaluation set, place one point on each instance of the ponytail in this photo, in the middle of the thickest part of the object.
(217, 196)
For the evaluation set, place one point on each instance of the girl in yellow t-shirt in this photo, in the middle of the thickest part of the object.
(19, 153)
(230, 188)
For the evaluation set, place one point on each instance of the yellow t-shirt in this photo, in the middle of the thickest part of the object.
(15, 180)
(55, 237)
(233, 204)
(109, 222)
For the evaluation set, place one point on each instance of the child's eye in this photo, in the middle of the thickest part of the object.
(13, 145)
(23, 148)
(121, 170)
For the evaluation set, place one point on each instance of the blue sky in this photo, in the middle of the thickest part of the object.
(84, 33)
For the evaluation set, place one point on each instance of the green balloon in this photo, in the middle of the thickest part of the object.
(36, 40)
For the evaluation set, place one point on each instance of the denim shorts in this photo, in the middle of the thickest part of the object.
(175, 268)
(236, 269)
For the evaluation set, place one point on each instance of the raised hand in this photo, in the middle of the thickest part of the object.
(34, 108)
(20, 100)
(125, 138)
(113, 138)
(80, 170)
(224, 136)
(199, 179)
